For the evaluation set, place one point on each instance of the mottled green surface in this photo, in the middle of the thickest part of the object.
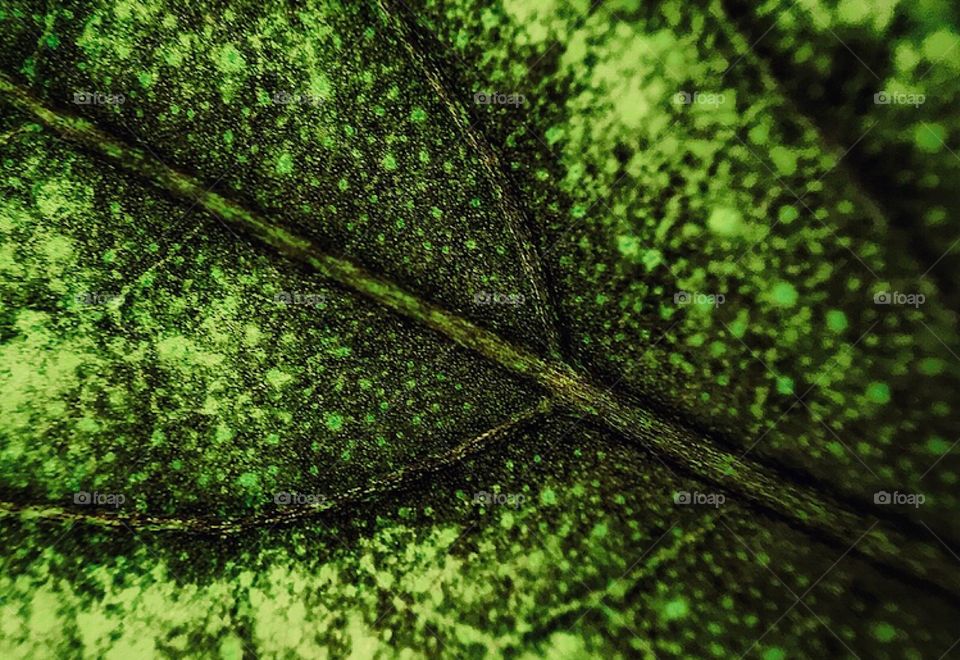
(190, 383)
(596, 562)
(833, 57)
(640, 198)
(364, 162)
(150, 347)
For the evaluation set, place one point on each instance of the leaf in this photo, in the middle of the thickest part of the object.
(354, 434)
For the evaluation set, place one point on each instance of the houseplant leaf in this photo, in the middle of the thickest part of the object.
(469, 474)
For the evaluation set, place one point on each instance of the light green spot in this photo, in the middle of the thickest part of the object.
(931, 366)
(725, 221)
(784, 385)
(628, 245)
(759, 134)
(878, 392)
(230, 60)
(783, 294)
(929, 137)
(787, 214)
(784, 160)
(675, 609)
(937, 446)
(836, 320)
(285, 163)
(774, 653)
(939, 44)
(853, 11)
(231, 648)
(652, 258)
(884, 632)
(278, 378)
(333, 421)
(224, 433)
(248, 480)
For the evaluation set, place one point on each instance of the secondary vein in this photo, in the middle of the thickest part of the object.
(228, 526)
(514, 217)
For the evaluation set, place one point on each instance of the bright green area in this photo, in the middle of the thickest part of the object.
(742, 196)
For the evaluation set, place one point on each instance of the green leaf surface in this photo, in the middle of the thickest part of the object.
(896, 63)
(726, 235)
(356, 366)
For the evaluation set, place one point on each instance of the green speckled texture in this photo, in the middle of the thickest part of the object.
(640, 198)
(379, 371)
(184, 376)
